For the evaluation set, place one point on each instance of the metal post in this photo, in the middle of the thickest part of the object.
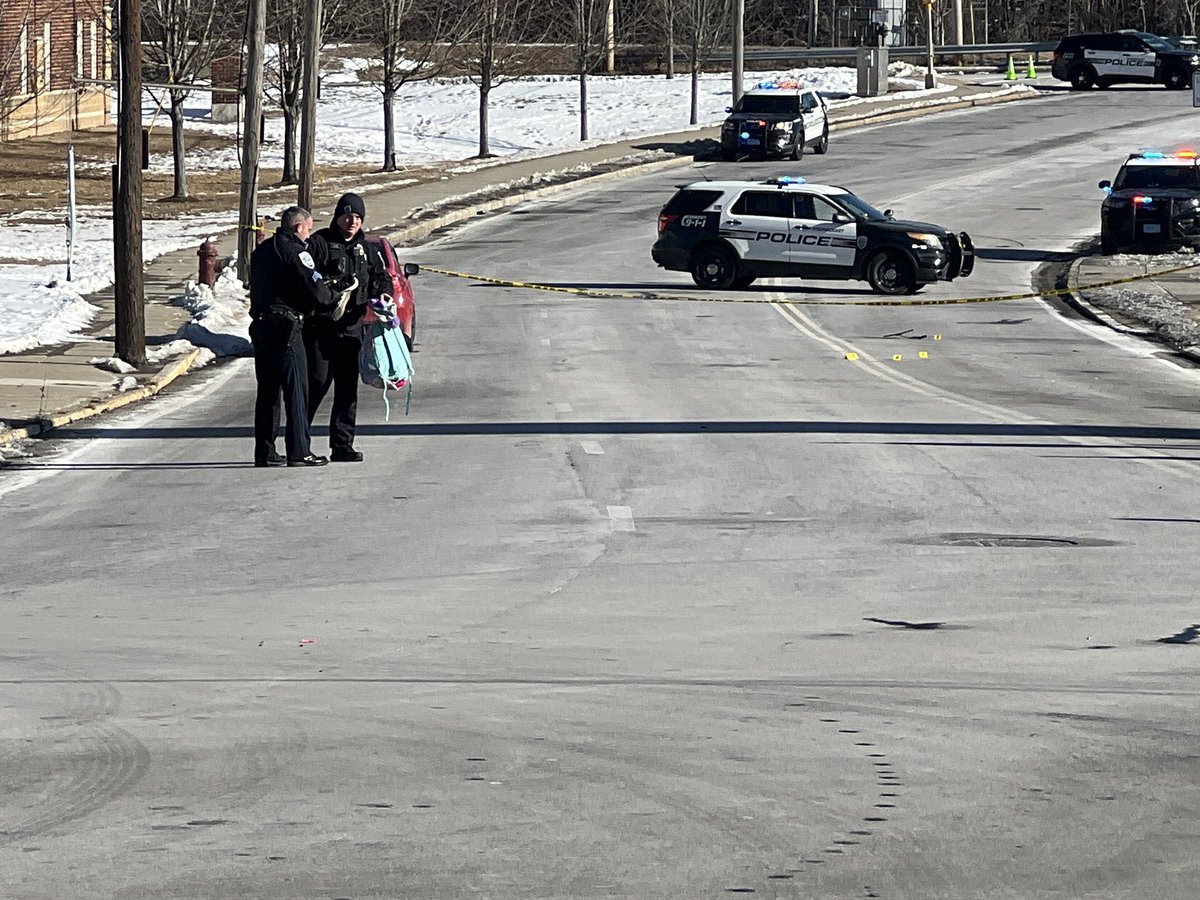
(930, 78)
(958, 23)
(739, 46)
(70, 208)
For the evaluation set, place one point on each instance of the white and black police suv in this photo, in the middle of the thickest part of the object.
(776, 118)
(1122, 57)
(1154, 202)
(728, 233)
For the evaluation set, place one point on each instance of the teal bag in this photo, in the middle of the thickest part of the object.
(385, 362)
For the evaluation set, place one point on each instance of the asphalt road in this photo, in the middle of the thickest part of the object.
(646, 599)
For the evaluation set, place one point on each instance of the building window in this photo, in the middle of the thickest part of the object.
(23, 52)
(46, 55)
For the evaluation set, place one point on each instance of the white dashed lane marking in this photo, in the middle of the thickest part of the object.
(592, 448)
(563, 408)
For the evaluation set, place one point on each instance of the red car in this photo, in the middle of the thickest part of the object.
(402, 291)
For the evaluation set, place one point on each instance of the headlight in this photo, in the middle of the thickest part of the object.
(1195, 60)
(929, 240)
(781, 126)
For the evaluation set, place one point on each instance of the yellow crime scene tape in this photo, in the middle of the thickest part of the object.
(800, 301)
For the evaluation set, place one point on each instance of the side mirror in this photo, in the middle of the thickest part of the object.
(1105, 185)
(411, 269)
(729, 109)
(840, 218)
(887, 214)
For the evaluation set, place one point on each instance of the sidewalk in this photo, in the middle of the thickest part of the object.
(49, 386)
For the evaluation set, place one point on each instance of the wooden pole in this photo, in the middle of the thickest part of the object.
(253, 92)
(739, 46)
(308, 104)
(128, 287)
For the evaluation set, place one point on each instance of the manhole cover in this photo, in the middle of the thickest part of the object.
(972, 539)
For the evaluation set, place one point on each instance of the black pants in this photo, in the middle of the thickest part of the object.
(280, 365)
(333, 360)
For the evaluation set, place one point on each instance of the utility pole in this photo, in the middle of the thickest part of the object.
(128, 287)
(930, 77)
(812, 23)
(252, 106)
(958, 22)
(739, 47)
(610, 37)
(308, 108)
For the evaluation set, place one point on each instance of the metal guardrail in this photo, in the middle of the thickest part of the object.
(852, 52)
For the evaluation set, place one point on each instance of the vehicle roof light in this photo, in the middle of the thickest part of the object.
(786, 179)
(1140, 198)
(784, 84)
(1152, 154)
(1186, 154)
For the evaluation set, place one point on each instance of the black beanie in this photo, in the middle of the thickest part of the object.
(350, 203)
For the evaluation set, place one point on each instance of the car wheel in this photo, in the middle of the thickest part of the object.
(728, 155)
(1108, 244)
(743, 281)
(714, 267)
(890, 272)
(823, 144)
(798, 148)
(1175, 78)
(411, 339)
(1081, 77)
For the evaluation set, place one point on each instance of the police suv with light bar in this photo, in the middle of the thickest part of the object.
(728, 233)
(776, 118)
(1153, 202)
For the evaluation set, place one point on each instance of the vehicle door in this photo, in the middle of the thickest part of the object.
(822, 234)
(1141, 58)
(757, 224)
(812, 114)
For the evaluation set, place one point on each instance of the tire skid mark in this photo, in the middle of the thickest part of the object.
(76, 762)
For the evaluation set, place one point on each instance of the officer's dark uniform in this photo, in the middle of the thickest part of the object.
(333, 347)
(285, 288)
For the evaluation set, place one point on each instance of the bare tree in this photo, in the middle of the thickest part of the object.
(183, 38)
(412, 41)
(503, 43)
(703, 27)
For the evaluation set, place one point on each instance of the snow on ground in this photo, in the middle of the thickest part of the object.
(435, 123)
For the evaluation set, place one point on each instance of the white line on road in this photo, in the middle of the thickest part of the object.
(621, 518)
(592, 448)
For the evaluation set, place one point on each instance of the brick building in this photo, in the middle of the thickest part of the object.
(46, 47)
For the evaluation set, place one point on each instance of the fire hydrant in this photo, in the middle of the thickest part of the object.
(209, 263)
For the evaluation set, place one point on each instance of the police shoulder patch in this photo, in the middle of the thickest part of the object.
(307, 259)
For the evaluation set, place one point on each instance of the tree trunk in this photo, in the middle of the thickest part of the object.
(177, 150)
(695, 95)
(583, 118)
(291, 121)
(484, 90)
(389, 129)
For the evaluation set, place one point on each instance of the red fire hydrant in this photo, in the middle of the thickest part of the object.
(209, 263)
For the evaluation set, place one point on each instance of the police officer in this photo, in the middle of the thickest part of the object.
(285, 289)
(333, 337)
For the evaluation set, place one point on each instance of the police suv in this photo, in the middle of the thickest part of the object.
(728, 233)
(776, 118)
(1154, 201)
(1122, 57)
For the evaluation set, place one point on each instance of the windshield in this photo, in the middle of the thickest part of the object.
(1140, 178)
(859, 206)
(1155, 42)
(759, 104)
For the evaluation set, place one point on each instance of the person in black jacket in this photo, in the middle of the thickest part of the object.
(285, 289)
(333, 337)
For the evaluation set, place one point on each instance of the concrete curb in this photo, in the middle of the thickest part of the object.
(165, 376)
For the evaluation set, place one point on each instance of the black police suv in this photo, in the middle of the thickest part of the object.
(1123, 57)
(1153, 203)
(776, 119)
(728, 233)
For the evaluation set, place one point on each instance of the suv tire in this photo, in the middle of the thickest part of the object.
(890, 272)
(798, 148)
(1108, 245)
(1176, 78)
(714, 267)
(822, 145)
(1081, 76)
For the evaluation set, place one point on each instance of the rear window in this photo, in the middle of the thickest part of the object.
(1142, 178)
(768, 104)
(687, 202)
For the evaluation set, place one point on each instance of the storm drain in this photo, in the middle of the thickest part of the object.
(972, 539)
